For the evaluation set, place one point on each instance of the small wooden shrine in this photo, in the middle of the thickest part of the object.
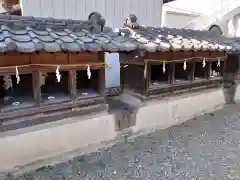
(170, 61)
(50, 67)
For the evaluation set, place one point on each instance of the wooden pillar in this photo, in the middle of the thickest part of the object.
(209, 69)
(192, 71)
(36, 87)
(147, 78)
(171, 73)
(102, 81)
(72, 84)
(102, 76)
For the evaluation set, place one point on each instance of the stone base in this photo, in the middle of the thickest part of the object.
(113, 91)
(229, 94)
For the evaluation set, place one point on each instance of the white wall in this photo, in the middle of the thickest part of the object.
(148, 12)
(176, 20)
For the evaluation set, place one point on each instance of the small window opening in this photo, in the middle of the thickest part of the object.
(217, 69)
(87, 86)
(53, 91)
(15, 95)
(158, 76)
(201, 72)
(181, 74)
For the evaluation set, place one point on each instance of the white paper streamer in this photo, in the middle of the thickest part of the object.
(7, 82)
(164, 67)
(88, 72)
(204, 62)
(185, 65)
(218, 63)
(58, 75)
(17, 75)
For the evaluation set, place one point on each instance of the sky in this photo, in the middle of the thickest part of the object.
(199, 6)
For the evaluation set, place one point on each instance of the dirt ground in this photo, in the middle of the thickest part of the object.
(206, 147)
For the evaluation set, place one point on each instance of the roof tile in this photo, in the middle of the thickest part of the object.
(29, 34)
(164, 39)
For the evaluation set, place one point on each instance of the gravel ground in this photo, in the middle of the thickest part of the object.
(203, 148)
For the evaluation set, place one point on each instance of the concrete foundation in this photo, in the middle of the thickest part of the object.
(33, 144)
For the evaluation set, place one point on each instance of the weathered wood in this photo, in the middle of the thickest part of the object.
(182, 55)
(72, 84)
(102, 82)
(14, 59)
(36, 87)
(84, 58)
(171, 73)
(209, 68)
(192, 72)
(147, 78)
(49, 58)
(35, 63)
(163, 56)
(217, 54)
(43, 110)
(203, 54)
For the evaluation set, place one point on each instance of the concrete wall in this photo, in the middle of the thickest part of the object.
(27, 145)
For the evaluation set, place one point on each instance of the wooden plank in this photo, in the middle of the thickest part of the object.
(49, 58)
(182, 55)
(84, 58)
(44, 109)
(202, 54)
(14, 59)
(217, 54)
(36, 87)
(171, 73)
(101, 82)
(163, 56)
(147, 79)
(192, 72)
(72, 84)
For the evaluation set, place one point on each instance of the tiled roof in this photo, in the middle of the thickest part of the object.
(30, 34)
(165, 39)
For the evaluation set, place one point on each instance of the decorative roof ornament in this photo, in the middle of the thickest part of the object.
(97, 22)
(131, 21)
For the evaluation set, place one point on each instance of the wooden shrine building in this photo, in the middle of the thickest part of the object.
(54, 66)
(172, 61)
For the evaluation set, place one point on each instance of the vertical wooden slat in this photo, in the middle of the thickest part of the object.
(147, 78)
(102, 76)
(192, 71)
(102, 81)
(36, 87)
(171, 73)
(209, 68)
(72, 84)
